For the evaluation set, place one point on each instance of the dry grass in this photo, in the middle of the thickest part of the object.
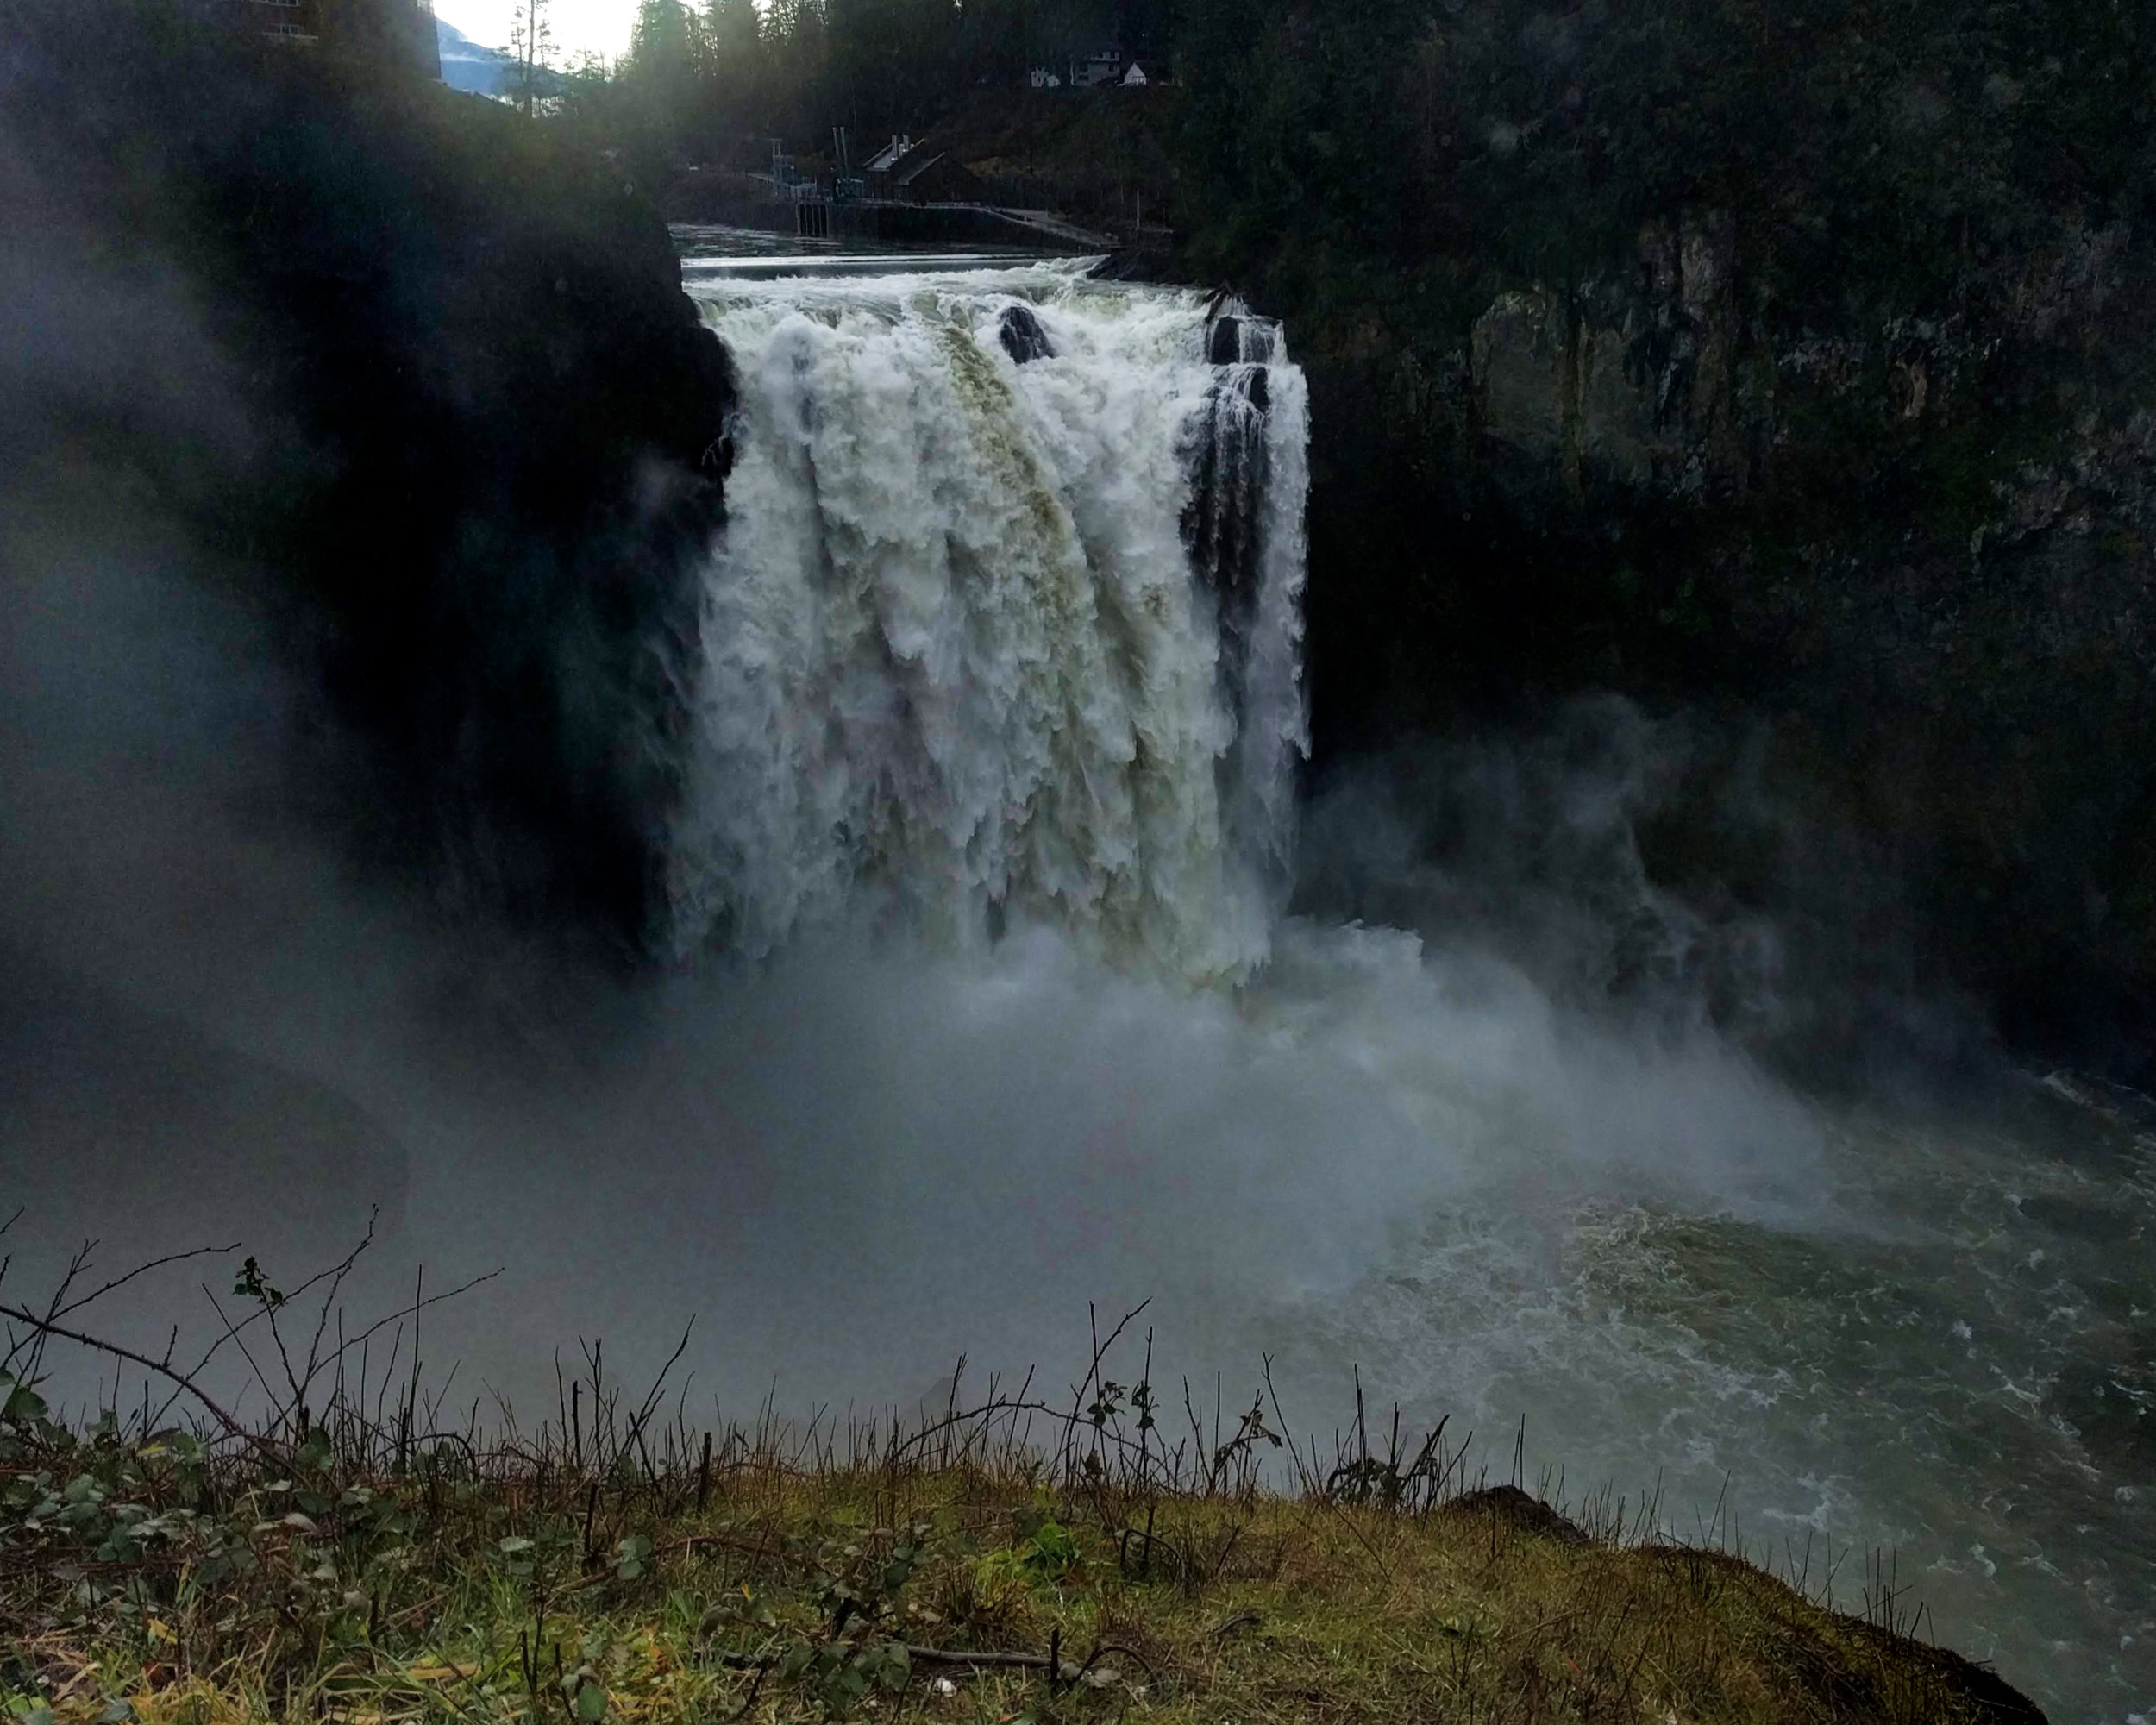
(1017, 1563)
(415, 1600)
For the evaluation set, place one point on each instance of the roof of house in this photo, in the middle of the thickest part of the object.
(907, 175)
(915, 162)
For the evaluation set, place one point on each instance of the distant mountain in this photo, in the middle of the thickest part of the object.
(467, 65)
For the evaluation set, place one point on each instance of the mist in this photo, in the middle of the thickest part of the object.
(852, 1164)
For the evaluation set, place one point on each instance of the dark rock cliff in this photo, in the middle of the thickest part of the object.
(1783, 368)
(1926, 551)
(474, 422)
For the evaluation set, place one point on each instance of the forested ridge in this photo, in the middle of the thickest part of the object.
(720, 80)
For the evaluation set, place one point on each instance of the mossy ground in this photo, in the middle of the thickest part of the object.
(144, 1577)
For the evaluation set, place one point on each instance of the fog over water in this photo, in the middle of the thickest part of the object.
(923, 1123)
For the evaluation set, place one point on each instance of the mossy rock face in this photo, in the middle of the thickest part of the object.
(1797, 365)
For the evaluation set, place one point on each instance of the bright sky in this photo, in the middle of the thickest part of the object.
(601, 26)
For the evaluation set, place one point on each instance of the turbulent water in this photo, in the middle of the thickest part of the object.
(1003, 635)
(995, 721)
(1006, 617)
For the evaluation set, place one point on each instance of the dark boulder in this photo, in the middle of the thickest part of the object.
(1022, 335)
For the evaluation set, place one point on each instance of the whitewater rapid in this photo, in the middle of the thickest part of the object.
(1006, 620)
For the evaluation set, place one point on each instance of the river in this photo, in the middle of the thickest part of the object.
(983, 1001)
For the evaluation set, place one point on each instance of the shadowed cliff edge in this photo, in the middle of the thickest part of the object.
(1786, 368)
(419, 381)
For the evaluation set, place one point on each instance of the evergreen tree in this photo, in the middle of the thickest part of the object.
(530, 48)
(732, 96)
(733, 36)
(662, 43)
(660, 82)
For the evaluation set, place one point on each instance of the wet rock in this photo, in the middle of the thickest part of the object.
(1238, 338)
(1649, 385)
(1023, 337)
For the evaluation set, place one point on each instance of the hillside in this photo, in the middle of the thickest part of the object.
(466, 65)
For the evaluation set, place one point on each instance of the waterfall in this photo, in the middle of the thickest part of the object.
(1006, 620)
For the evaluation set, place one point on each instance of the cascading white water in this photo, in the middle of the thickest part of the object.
(1006, 622)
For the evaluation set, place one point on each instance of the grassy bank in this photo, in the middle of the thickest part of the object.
(1020, 1562)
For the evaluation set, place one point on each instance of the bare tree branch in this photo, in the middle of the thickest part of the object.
(118, 1282)
(163, 1368)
